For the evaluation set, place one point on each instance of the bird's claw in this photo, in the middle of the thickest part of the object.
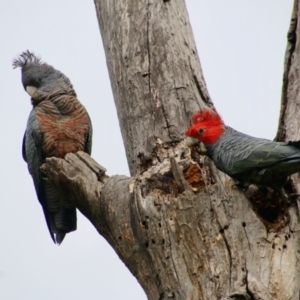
(239, 185)
(293, 196)
(289, 198)
(235, 186)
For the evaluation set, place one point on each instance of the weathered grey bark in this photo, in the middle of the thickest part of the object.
(177, 223)
(155, 73)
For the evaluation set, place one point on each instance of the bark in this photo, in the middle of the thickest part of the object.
(177, 223)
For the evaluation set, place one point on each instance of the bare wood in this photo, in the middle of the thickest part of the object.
(178, 224)
(154, 70)
(289, 99)
(289, 126)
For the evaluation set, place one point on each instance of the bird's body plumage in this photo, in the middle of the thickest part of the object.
(254, 160)
(247, 159)
(58, 124)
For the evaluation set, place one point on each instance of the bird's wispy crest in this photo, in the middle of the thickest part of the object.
(25, 58)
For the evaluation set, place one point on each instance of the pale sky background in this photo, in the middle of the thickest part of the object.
(241, 44)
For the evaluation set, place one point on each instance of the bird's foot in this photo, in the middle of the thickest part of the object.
(239, 185)
(235, 186)
(293, 196)
(288, 198)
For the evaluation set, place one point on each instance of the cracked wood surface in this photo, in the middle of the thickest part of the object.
(178, 224)
(154, 71)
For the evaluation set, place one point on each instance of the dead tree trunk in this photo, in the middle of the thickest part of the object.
(177, 223)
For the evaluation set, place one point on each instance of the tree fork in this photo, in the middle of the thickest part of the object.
(178, 224)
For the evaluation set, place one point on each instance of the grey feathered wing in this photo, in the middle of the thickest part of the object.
(241, 152)
(88, 143)
(33, 155)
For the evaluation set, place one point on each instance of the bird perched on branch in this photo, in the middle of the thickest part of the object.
(246, 159)
(58, 124)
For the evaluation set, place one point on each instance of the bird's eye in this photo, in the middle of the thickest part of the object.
(201, 130)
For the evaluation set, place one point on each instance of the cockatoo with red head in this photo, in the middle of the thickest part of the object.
(247, 159)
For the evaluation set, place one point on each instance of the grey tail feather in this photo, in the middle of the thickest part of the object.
(59, 237)
(47, 217)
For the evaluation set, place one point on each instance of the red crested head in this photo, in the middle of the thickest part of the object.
(207, 126)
